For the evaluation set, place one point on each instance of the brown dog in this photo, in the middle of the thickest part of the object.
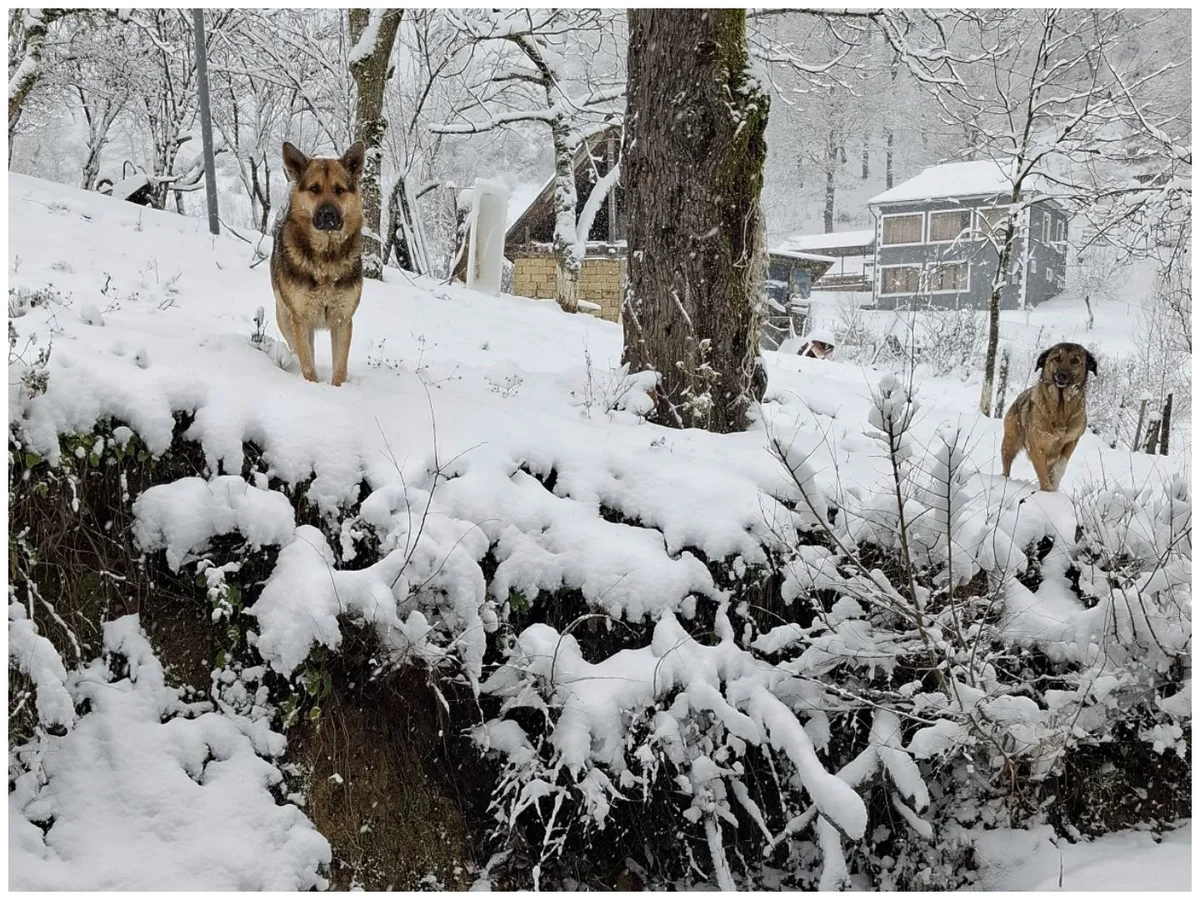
(1047, 420)
(316, 264)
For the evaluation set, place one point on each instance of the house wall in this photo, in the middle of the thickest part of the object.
(600, 281)
(1048, 258)
(979, 254)
(1045, 277)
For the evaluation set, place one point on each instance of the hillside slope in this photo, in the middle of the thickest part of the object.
(484, 498)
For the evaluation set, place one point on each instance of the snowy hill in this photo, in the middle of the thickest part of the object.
(495, 454)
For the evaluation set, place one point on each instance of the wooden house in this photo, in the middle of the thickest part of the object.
(936, 240)
(530, 239)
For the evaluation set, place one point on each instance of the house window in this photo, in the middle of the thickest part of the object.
(800, 283)
(900, 279)
(1060, 232)
(991, 223)
(1045, 227)
(949, 226)
(904, 229)
(949, 277)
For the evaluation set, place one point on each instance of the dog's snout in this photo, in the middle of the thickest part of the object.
(327, 218)
(1062, 379)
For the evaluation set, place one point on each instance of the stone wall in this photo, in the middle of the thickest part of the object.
(600, 281)
(533, 276)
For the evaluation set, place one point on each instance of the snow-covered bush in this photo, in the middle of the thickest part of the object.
(146, 791)
(836, 700)
(942, 647)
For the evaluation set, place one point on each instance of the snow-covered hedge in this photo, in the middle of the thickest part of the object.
(948, 634)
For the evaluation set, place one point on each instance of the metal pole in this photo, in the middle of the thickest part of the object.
(210, 169)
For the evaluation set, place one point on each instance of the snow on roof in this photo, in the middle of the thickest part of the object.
(960, 179)
(793, 254)
(834, 239)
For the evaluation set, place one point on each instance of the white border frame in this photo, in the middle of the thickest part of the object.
(980, 222)
(965, 234)
(954, 262)
(885, 216)
(921, 269)
(882, 269)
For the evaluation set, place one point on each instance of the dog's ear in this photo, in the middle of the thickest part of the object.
(1091, 362)
(352, 160)
(1041, 360)
(294, 162)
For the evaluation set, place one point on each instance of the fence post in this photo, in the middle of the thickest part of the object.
(1152, 429)
(1137, 435)
(1165, 429)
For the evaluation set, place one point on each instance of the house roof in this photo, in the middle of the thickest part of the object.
(789, 253)
(542, 203)
(826, 241)
(985, 177)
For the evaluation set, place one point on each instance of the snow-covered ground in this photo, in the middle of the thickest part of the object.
(494, 393)
(1132, 861)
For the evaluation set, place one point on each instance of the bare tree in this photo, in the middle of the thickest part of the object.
(372, 34)
(694, 155)
(536, 87)
(1040, 92)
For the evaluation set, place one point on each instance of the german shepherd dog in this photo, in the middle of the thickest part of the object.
(316, 264)
(1047, 420)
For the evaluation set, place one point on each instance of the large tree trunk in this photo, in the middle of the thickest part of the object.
(693, 169)
(372, 34)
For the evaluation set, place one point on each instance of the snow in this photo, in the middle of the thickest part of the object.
(795, 254)
(985, 177)
(126, 187)
(475, 426)
(37, 658)
(1133, 861)
(591, 206)
(145, 794)
(485, 255)
(183, 516)
(801, 242)
(365, 45)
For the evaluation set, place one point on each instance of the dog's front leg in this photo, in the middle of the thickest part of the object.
(1041, 465)
(1060, 467)
(340, 332)
(1009, 446)
(302, 343)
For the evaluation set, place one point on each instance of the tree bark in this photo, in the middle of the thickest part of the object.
(693, 170)
(28, 72)
(568, 260)
(831, 164)
(998, 285)
(370, 57)
(889, 178)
